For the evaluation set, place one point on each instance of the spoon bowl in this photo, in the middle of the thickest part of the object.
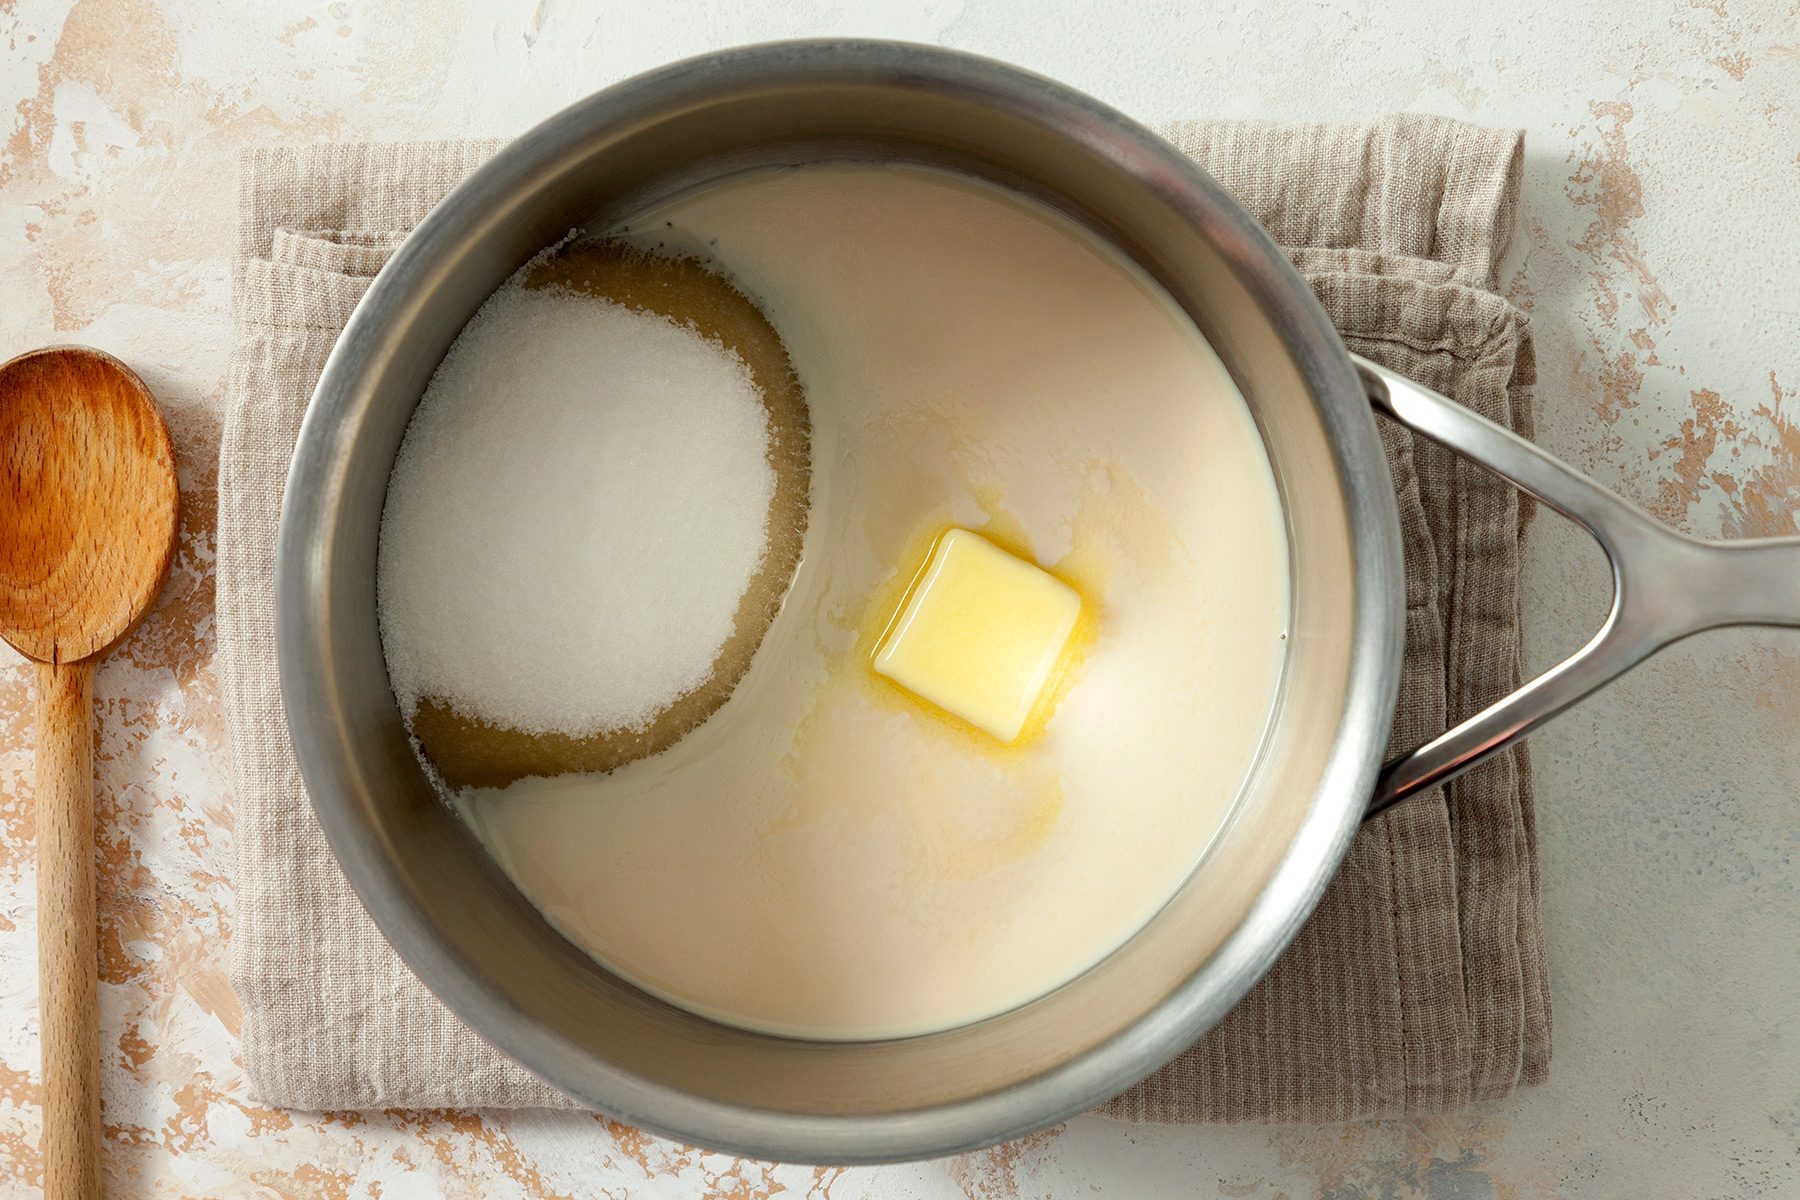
(88, 503)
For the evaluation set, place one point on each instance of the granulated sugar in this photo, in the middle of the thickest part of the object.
(580, 502)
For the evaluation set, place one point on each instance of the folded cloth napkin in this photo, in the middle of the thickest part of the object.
(1418, 986)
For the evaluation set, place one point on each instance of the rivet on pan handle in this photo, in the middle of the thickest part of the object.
(1666, 585)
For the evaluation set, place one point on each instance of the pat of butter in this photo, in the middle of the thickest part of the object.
(979, 633)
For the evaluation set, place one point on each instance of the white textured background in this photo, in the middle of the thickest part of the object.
(1660, 257)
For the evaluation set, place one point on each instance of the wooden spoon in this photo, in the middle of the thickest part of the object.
(88, 520)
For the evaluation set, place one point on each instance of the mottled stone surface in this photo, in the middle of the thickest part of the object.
(1659, 260)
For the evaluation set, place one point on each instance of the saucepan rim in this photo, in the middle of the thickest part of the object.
(325, 737)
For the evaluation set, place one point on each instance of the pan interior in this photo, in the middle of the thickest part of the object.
(827, 856)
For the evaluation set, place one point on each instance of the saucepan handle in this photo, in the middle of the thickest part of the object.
(1666, 585)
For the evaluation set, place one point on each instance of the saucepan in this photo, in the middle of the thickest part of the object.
(481, 946)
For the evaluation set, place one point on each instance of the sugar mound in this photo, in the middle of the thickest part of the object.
(579, 504)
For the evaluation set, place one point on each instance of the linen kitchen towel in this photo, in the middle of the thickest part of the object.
(1418, 986)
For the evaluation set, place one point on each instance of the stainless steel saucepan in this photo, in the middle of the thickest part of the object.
(475, 940)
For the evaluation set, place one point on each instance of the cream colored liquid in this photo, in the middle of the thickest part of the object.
(824, 856)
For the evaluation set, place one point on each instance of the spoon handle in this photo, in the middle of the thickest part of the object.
(68, 961)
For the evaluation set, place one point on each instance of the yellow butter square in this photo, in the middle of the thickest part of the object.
(979, 633)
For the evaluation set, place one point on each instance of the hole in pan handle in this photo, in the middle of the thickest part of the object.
(1666, 585)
